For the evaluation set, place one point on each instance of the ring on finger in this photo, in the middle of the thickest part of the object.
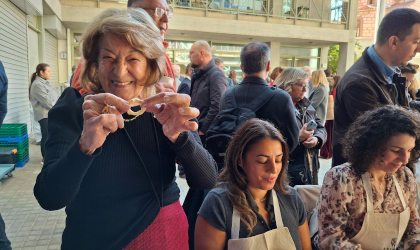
(105, 110)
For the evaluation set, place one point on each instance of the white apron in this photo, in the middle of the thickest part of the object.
(381, 230)
(276, 239)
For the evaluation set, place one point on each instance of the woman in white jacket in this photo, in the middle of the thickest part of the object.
(43, 97)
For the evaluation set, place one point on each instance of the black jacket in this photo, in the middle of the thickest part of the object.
(278, 110)
(3, 93)
(205, 95)
(185, 86)
(362, 88)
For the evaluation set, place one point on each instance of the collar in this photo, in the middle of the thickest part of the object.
(165, 45)
(386, 70)
(254, 79)
(42, 80)
(189, 78)
(253, 205)
(200, 72)
(305, 102)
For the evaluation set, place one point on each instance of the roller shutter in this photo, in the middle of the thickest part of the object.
(51, 58)
(14, 56)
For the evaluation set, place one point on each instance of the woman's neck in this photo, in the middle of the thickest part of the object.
(257, 194)
(377, 174)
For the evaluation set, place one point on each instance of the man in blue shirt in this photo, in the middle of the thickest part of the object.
(4, 242)
(374, 80)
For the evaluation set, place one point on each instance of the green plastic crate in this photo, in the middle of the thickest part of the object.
(21, 146)
(13, 129)
(22, 156)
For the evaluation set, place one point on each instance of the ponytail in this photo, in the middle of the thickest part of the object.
(40, 67)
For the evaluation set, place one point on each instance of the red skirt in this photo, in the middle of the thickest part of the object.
(327, 150)
(168, 231)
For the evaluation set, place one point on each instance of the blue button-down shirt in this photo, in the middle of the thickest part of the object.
(387, 72)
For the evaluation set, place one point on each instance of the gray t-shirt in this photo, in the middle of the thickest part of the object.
(217, 210)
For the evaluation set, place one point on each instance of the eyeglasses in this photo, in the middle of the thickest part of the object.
(301, 85)
(159, 12)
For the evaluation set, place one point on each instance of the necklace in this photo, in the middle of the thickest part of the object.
(381, 187)
(264, 199)
(132, 119)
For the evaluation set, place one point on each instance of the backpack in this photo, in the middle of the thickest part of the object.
(221, 131)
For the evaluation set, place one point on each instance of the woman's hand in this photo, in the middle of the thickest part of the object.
(304, 134)
(97, 126)
(164, 87)
(173, 112)
(310, 142)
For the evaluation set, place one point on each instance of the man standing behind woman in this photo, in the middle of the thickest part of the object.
(43, 97)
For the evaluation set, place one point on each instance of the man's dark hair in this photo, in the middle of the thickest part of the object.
(328, 72)
(132, 2)
(217, 60)
(188, 68)
(398, 22)
(255, 57)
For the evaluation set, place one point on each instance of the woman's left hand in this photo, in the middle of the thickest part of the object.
(173, 112)
(310, 142)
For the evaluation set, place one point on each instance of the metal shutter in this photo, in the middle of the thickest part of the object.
(51, 58)
(14, 55)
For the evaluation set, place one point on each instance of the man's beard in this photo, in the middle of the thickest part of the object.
(194, 65)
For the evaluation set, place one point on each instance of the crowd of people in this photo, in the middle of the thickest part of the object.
(112, 141)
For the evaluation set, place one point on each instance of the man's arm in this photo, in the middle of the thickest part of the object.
(357, 98)
(218, 85)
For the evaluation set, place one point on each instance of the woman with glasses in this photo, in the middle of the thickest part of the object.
(295, 81)
(319, 95)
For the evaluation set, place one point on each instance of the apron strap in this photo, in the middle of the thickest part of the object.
(277, 213)
(400, 193)
(368, 189)
(236, 224)
(236, 217)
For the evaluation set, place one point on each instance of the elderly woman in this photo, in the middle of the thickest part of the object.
(370, 202)
(114, 172)
(295, 81)
(252, 207)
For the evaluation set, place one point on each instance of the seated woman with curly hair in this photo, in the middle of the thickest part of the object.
(252, 206)
(370, 202)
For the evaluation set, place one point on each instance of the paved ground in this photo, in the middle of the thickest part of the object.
(30, 227)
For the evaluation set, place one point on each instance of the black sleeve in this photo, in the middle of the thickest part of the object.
(321, 132)
(199, 166)
(357, 98)
(290, 129)
(65, 164)
(213, 211)
(183, 89)
(218, 85)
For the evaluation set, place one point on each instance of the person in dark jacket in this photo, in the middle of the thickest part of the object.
(374, 79)
(185, 86)
(4, 241)
(295, 82)
(279, 109)
(113, 170)
(208, 83)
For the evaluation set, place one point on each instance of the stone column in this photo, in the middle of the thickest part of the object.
(324, 58)
(346, 57)
(275, 54)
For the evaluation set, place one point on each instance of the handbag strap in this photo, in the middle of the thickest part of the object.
(159, 201)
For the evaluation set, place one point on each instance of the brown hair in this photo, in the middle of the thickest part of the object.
(40, 67)
(336, 79)
(138, 28)
(276, 72)
(234, 178)
(233, 75)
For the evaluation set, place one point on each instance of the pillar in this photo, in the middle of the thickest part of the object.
(275, 54)
(346, 57)
(324, 58)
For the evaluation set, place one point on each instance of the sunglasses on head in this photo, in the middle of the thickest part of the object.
(416, 66)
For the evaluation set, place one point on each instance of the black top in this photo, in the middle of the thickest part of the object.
(279, 110)
(218, 210)
(108, 198)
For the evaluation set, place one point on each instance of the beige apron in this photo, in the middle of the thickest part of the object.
(381, 230)
(276, 239)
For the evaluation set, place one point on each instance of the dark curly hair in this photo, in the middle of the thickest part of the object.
(367, 137)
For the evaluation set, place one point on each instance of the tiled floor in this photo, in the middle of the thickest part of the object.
(30, 227)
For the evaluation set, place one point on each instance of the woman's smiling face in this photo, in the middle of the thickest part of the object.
(122, 70)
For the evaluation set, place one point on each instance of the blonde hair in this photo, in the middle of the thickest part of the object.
(140, 31)
(319, 79)
(290, 76)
